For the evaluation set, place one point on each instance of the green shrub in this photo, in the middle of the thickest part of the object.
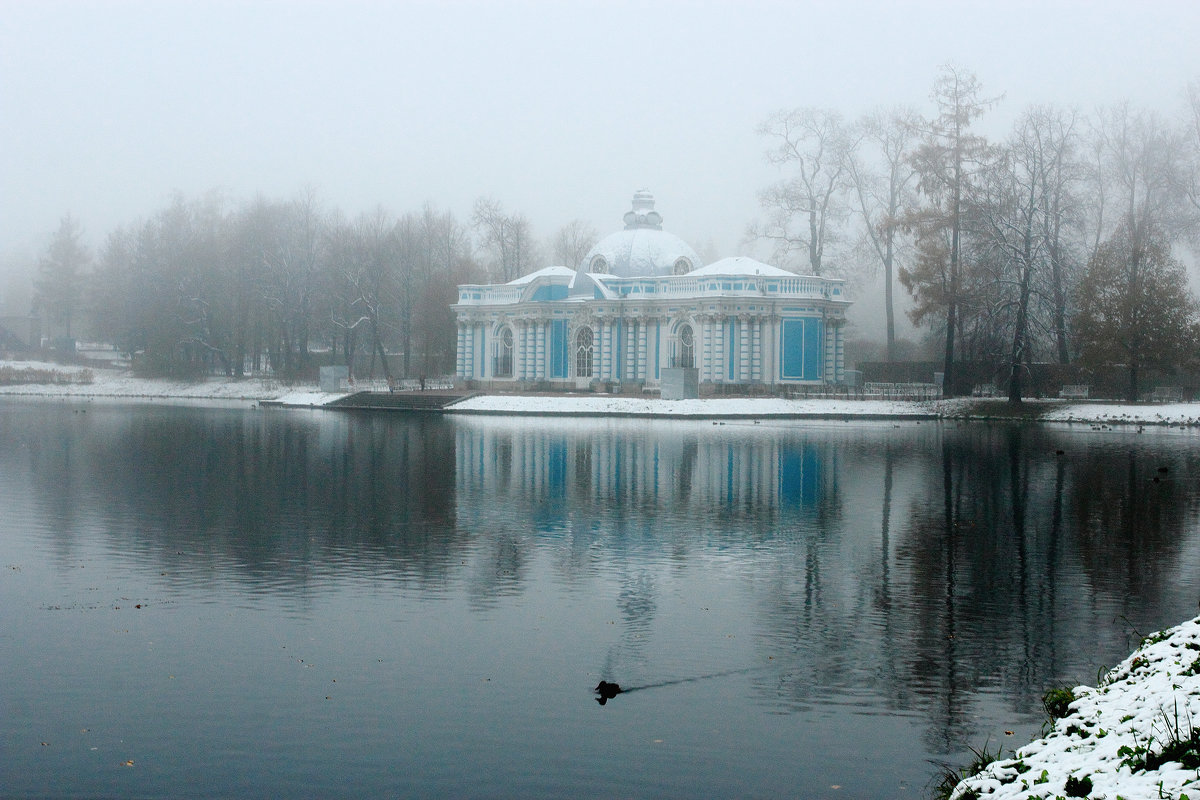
(949, 776)
(1057, 702)
(1078, 787)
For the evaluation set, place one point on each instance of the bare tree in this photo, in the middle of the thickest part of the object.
(881, 175)
(58, 287)
(1144, 158)
(572, 243)
(363, 262)
(449, 261)
(508, 238)
(805, 209)
(1190, 174)
(431, 248)
(945, 161)
(1018, 221)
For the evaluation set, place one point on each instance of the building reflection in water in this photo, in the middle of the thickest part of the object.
(951, 572)
(556, 473)
(931, 565)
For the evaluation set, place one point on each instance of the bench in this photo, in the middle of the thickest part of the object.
(901, 391)
(984, 390)
(1166, 394)
(1075, 391)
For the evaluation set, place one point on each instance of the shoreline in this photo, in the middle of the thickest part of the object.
(120, 384)
(1123, 738)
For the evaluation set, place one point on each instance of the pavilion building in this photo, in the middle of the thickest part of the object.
(641, 312)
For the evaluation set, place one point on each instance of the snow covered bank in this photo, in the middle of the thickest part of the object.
(714, 407)
(1117, 413)
(122, 383)
(1125, 738)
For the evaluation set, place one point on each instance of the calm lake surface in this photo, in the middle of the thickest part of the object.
(228, 601)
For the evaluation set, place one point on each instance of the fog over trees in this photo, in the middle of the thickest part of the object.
(1061, 242)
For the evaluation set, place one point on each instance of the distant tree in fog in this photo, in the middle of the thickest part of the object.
(1191, 139)
(572, 243)
(1018, 252)
(58, 287)
(435, 256)
(946, 161)
(506, 238)
(1135, 309)
(805, 210)
(285, 246)
(882, 179)
(363, 261)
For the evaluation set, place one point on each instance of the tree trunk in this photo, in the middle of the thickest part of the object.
(887, 302)
(383, 358)
(948, 363)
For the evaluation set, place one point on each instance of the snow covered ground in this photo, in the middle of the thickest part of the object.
(121, 383)
(1111, 742)
(714, 407)
(1116, 413)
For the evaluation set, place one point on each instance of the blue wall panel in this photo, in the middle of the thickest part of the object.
(801, 349)
(558, 348)
(813, 347)
(551, 292)
(792, 351)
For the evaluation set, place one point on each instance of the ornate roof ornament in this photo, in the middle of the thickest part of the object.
(643, 248)
(643, 214)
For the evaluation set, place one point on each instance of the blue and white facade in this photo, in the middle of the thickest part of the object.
(641, 302)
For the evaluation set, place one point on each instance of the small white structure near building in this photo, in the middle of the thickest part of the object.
(641, 303)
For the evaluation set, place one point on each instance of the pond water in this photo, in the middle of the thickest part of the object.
(229, 601)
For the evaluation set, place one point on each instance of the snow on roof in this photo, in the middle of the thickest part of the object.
(544, 272)
(640, 253)
(584, 286)
(741, 265)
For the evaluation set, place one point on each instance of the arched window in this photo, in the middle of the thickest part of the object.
(599, 265)
(583, 353)
(685, 348)
(504, 354)
(682, 266)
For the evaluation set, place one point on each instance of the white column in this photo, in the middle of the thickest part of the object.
(653, 341)
(771, 349)
(642, 364)
(744, 341)
(827, 374)
(756, 349)
(515, 325)
(631, 349)
(540, 366)
(720, 359)
(460, 356)
(839, 353)
(606, 349)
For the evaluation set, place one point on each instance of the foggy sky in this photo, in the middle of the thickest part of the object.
(559, 110)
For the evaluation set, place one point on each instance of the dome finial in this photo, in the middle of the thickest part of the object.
(643, 214)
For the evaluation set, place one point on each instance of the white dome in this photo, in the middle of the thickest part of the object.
(643, 249)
